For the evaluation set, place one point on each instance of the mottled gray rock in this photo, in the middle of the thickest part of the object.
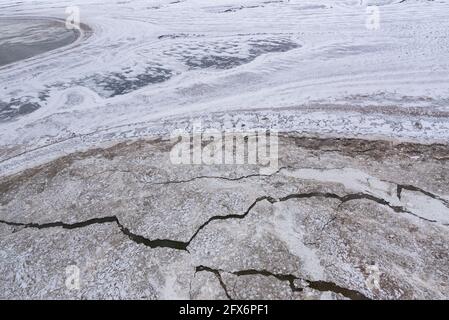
(340, 219)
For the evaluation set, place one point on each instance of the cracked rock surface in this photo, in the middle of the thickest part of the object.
(339, 219)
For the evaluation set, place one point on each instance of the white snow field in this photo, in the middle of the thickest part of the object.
(307, 66)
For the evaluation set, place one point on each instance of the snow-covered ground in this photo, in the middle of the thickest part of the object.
(320, 63)
(358, 207)
(339, 219)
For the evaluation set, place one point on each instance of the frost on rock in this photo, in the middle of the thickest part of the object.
(329, 224)
(92, 207)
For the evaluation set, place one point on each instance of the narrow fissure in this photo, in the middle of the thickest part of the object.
(181, 245)
(322, 286)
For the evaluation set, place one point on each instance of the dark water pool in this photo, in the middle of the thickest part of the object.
(24, 38)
